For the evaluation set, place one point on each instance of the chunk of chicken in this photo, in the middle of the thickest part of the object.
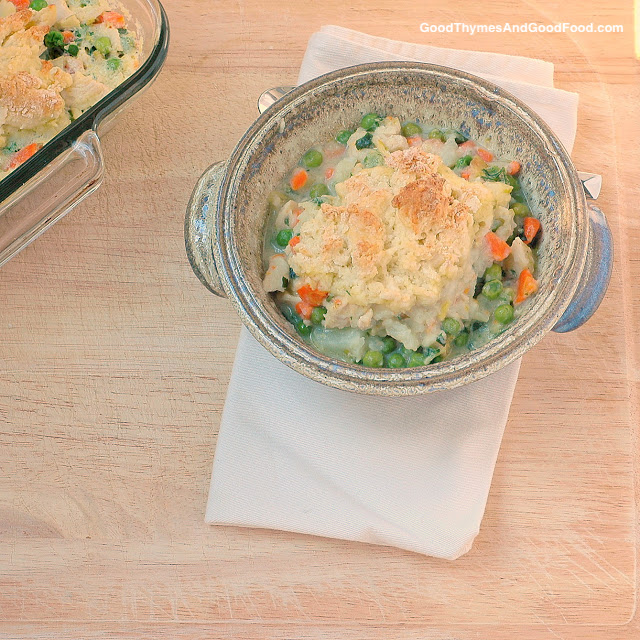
(277, 273)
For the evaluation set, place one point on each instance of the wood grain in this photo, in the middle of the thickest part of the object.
(116, 360)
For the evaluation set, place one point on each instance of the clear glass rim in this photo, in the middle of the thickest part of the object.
(91, 118)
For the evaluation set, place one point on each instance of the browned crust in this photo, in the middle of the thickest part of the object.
(15, 22)
(27, 102)
(423, 203)
(364, 234)
(413, 160)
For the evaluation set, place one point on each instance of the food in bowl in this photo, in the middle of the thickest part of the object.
(398, 245)
(57, 59)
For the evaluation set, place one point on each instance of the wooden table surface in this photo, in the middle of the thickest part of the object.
(115, 364)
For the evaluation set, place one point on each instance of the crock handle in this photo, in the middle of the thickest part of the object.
(596, 275)
(268, 97)
(199, 235)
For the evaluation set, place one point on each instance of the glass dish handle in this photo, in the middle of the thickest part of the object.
(198, 227)
(50, 195)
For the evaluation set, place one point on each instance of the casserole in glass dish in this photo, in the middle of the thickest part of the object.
(69, 167)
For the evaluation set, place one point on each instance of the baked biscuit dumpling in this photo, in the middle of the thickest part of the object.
(396, 245)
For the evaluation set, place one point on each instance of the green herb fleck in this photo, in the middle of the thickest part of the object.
(495, 174)
(364, 142)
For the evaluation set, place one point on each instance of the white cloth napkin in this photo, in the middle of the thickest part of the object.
(413, 473)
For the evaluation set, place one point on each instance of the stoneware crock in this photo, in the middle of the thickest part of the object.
(226, 215)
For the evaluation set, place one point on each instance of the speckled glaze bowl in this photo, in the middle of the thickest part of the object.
(227, 213)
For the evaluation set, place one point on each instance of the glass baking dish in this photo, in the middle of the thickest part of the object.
(69, 167)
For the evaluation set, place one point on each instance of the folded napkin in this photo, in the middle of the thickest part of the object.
(414, 472)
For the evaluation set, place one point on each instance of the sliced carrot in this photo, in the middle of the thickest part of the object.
(467, 146)
(68, 36)
(294, 241)
(20, 4)
(497, 246)
(466, 173)
(304, 309)
(513, 168)
(24, 154)
(112, 18)
(328, 174)
(414, 141)
(531, 228)
(527, 285)
(313, 296)
(298, 179)
(487, 156)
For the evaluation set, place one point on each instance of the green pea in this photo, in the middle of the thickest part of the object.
(395, 361)
(373, 359)
(283, 237)
(389, 344)
(370, 121)
(372, 160)
(364, 142)
(317, 315)
(521, 209)
(318, 190)
(437, 134)
(492, 289)
(416, 360)
(494, 272)
(73, 50)
(503, 314)
(303, 329)
(313, 158)
(114, 64)
(343, 136)
(103, 45)
(38, 5)
(461, 339)
(451, 326)
(411, 129)
(55, 39)
(465, 161)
